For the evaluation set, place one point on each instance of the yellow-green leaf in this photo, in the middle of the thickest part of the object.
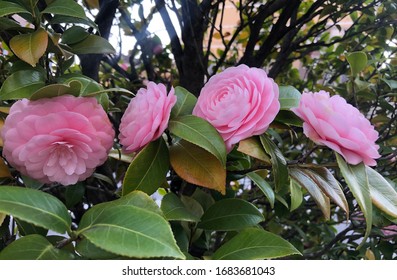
(30, 47)
(383, 195)
(197, 166)
(305, 181)
(357, 180)
(252, 147)
(201, 133)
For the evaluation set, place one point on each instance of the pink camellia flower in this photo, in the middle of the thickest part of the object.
(61, 139)
(332, 122)
(239, 102)
(146, 116)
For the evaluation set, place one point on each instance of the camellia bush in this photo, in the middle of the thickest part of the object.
(251, 166)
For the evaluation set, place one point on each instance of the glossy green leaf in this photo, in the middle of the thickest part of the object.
(129, 231)
(9, 24)
(9, 8)
(296, 195)
(330, 186)
(263, 186)
(31, 183)
(74, 35)
(289, 97)
(74, 194)
(33, 247)
(137, 199)
(302, 177)
(60, 19)
(65, 8)
(25, 228)
(30, 47)
(204, 198)
(357, 180)
(279, 164)
(383, 195)
(148, 169)
(201, 133)
(289, 118)
(230, 214)
(253, 147)
(54, 90)
(93, 44)
(197, 166)
(174, 209)
(89, 251)
(391, 83)
(184, 104)
(357, 62)
(21, 84)
(87, 85)
(255, 244)
(35, 207)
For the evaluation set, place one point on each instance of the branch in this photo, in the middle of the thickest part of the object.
(256, 23)
(176, 47)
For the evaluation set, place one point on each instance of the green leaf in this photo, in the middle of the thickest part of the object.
(30, 47)
(60, 19)
(93, 44)
(289, 118)
(88, 250)
(253, 147)
(87, 85)
(21, 84)
(391, 83)
(279, 164)
(197, 166)
(204, 198)
(357, 180)
(201, 133)
(184, 104)
(65, 8)
(31, 183)
(296, 195)
(35, 207)
(289, 97)
(9, 8)
(255, 244)
(174, 209)
(148, 169)
(25, 228)
(33, 247)
(55, 90)
(74, 194)
(230, 214)
(330, 186)
(74, 35)
(302, 177)
(357, 62)
(9, 24)
(137, 199)
(383, 195)
(129, 231)
(263, 186)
